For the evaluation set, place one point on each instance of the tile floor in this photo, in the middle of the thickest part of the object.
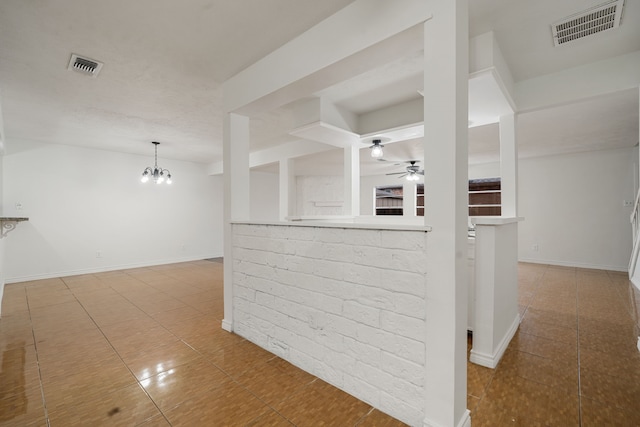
(143, 347)
(573, 361)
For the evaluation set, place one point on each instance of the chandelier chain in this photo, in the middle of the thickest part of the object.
(158, 174)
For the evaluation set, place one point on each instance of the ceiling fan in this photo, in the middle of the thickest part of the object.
(412, 171)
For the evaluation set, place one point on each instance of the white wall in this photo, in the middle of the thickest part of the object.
(572, 206)
(488, 170)
(80, 201)
(573, 209)
(2, 263)
(265, 193)
(331, 188)
(311, 189)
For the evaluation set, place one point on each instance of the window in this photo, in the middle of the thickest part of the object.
(484, 197)
(420, 200)
(389, 200)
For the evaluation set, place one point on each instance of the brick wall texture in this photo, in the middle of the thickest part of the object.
(345, 304)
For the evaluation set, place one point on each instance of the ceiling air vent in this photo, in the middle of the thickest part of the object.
(84, 65)
(592, 21)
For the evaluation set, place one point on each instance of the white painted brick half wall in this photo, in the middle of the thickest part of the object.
(347, 305)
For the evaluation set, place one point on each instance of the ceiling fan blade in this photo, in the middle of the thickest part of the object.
(396, 173)
(403, 175)
(420, 172)
(393, 161)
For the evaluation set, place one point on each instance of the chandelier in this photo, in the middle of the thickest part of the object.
(158, 174)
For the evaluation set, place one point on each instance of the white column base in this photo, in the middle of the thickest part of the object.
(227, 326)
(465, 421)
(492, 360)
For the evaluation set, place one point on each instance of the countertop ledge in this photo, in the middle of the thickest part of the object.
(319, 224)
(13, 218)
(494, 220)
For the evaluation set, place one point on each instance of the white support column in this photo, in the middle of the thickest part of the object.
(509, 165)
(287, 179)
(446, 74)
(236, 197)
(408, 198)
(496, 288)
(351, 181)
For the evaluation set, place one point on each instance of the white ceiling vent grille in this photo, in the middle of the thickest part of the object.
(86, 66)
(592, 21)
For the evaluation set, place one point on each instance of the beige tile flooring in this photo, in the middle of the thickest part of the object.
(144, 347)
(573, 361)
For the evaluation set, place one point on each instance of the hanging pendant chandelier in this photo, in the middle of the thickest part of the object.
(158, 174)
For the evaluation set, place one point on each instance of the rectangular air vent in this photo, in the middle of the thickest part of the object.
(592, 21)
(86, 66)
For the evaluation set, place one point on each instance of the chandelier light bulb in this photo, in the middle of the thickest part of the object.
(413, 177)
(156, 172)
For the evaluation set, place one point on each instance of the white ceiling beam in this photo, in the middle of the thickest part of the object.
(490, 92)
(344, 45)
(287, 150)
(327, 134)
(489, 98)
(398, 115)
(318, 109)
(485, 55)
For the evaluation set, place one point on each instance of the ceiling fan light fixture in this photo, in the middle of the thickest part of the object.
(412, 176)
(157, 173)
(376, 149)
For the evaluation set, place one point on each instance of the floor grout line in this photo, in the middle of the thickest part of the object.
(578, 345)
(35, 348)
(122, 360)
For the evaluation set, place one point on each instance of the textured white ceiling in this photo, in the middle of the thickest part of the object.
(523, 30)
(164, 62)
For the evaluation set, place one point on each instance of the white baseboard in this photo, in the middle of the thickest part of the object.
(465, 421)
(103, 269)
(492, 360)
(227, 326)
(483, 359)
(575, 264)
